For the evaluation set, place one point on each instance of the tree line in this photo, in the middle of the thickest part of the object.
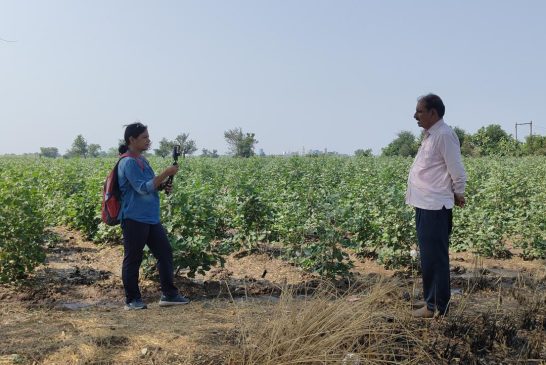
(240, 145)
(490, 140)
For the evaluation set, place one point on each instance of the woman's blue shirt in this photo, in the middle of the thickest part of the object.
(139, 198)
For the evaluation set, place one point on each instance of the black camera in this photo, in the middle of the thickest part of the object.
(176, 153)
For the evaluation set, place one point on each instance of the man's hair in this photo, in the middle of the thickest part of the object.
(432, 101)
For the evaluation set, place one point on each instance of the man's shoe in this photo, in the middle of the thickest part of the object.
(423, 313)
(135, 304)
(167, 301)
(418, 304)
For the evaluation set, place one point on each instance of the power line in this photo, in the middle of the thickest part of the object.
(530, 128)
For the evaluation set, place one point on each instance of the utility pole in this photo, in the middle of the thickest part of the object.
(530, 124)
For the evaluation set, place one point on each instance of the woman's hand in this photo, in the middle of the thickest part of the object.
(160, 179)
(171, 170)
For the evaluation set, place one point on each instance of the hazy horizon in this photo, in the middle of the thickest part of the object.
(317, 75)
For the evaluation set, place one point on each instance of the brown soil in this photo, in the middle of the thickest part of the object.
(71, 310)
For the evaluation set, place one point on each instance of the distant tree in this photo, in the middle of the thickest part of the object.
(364, 153)
(535, 145)
(468, 148)
(240, 144)
(207, 153)
(461, 134)
(324, 152)
(112, 151)
(261, 153)
(404, 145)
(187, 146)
(509, 147)
(52, 152)
(94, 150)
(495, 133)
(313, 153)
(488, 139)
(165, 148)
(79, 147)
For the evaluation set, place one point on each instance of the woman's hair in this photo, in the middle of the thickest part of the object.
(131, 130)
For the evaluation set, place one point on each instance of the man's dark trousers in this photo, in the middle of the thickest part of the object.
(433, 231)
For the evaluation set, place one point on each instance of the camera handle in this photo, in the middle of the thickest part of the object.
(176, 153)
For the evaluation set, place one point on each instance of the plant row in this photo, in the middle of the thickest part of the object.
(313, 210)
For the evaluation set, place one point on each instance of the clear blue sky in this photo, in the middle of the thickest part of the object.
(340, 75)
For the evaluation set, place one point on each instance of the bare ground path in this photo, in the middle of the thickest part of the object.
(70, 311)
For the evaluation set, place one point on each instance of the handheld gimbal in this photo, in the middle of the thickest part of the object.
(176, 153)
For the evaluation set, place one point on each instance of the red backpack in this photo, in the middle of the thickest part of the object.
(111, 194)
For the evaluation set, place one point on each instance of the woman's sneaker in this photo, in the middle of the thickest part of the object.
(135, 304)
(167, 301)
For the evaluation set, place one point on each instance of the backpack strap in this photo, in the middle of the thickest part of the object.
(138, 160)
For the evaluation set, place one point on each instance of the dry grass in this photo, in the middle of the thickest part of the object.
(498, 317)
(369, 324)
(369, 327)
(155, 336)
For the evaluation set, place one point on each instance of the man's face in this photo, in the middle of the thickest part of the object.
(425, 118)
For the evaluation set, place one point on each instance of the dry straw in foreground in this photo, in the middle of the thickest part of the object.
(326, 328)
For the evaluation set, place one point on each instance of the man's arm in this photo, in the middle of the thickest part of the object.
(451, 152)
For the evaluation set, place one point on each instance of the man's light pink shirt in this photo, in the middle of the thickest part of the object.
(437, 171)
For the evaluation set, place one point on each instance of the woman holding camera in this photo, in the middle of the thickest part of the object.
(139, 217)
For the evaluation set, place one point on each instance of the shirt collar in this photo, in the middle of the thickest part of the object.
(436, 126)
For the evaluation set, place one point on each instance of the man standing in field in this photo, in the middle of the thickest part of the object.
(436, 183)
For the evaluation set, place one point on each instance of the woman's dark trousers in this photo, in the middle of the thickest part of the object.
(135, 236)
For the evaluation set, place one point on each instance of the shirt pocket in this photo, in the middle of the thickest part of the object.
(426, 155)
